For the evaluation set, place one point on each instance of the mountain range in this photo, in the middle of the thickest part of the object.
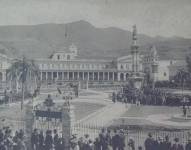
(39, 41)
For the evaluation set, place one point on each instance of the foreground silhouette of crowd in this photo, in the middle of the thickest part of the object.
(9, 142)
(106, 140)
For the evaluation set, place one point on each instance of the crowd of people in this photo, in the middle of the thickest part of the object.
(116, 139)
(53, 141)
(106, 140)
(8, 141)
(148, 96)
(145, 96)
(48, 141)
(165, 144)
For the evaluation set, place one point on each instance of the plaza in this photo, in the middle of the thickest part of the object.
(78, 98)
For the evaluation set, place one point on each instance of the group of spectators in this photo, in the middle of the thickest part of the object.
(117, 140)
(11, 142)
(165, 144)
(105, 141)
(145, 96)
(149, 96)
(46, 141)
(52, 141)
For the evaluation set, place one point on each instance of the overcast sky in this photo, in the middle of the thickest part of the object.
(153, 17)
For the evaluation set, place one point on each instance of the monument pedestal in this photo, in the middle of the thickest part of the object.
(136, 81)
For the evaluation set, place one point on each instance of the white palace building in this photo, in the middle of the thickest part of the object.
(66, 65)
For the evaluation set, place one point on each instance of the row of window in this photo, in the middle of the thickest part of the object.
(151, 59)
(125, 66)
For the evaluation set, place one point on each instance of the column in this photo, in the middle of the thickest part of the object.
(98, 76)
(41, 75)
(52, 76)
(118, 76)
(4, 76)
(108, 76)
(124, 77)
(93, 76)
(68, 75)
(113, 75)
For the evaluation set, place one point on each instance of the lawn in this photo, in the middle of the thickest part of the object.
(135, 116)
(83, 109)
(144, 111)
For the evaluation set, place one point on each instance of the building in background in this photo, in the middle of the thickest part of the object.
(66, 65)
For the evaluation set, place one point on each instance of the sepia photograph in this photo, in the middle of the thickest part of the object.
(95, 74)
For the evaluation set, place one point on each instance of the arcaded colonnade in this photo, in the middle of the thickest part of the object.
(80, 75)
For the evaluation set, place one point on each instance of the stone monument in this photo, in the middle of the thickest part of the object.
(136, 79)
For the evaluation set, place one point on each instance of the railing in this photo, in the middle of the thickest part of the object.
(80, 129)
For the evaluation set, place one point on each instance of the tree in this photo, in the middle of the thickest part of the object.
(188, 61)
(182, 77)
(23, 73)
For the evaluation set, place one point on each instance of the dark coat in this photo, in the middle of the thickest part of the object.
(188, 146)
(149, 143)
(177, 147)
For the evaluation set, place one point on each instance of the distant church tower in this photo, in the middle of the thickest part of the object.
(135, 51)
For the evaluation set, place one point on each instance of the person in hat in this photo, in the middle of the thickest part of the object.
(59, 145)
(56, 137)
(48, 140)
(74, 143)
(177, 145)
(158, 144)
(41, 140)
(149, 142)
(166, 143)
(121, 144)
(188, 145)
(115, 140)
(131, 144)
(34, 139)
(97, 145)
(140, 148)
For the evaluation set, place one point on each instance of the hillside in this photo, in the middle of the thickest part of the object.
(36, 41)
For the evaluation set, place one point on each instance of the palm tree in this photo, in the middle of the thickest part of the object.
(181, 77)
(23, 73)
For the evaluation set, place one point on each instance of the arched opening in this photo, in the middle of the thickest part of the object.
(1, 76)
(121, 77)
(127, 76)
(68, 57)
